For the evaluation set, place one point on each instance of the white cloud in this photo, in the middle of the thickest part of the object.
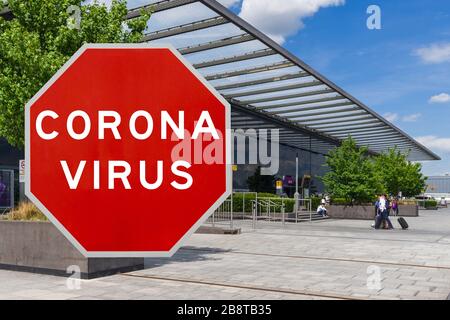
(412, 117)
(435, 143)
(229, 3)
(282, 18)
(435, 53)
(391, 117)
(440, 98)
(277, 18)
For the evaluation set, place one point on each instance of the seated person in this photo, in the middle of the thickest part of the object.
(322, 210)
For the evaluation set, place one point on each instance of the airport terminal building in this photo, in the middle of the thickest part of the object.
(438, 187)
(268, 88)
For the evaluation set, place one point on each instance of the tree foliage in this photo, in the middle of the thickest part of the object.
(358, 177)
(260, 183)
(352, 175)
(41, 38)
(400, 175)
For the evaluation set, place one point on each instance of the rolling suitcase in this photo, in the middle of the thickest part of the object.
(403, 223)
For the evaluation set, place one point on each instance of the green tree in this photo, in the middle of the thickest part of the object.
(351, 176)
(397, 174)
(43, 35)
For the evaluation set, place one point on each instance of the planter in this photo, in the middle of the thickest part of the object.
(367, 212)
(410, 210)
(218, 230)
(39, 247)
(351, 212)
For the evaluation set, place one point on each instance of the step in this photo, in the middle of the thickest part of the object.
(308, 214)
(313, 219)
(308, 217)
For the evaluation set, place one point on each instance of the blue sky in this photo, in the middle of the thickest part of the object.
(401, 71)
(395, 70)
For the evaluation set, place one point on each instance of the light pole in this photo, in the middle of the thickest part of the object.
(296, 195)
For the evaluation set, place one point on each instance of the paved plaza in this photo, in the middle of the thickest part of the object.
(332, 259)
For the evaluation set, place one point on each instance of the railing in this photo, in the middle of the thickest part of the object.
(223, 215)
(267, 210)
(255, 210)
(304, 205)
(247, 215)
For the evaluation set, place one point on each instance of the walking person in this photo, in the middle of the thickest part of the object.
(382, 207)
(394, 206)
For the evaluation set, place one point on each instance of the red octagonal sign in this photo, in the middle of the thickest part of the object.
(127, 150)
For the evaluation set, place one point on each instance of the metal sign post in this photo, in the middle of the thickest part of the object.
(297, 194)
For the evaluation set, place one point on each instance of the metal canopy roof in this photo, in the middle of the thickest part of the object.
(268, 86)
(262, 79)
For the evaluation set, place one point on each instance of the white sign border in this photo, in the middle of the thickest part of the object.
(200, 222)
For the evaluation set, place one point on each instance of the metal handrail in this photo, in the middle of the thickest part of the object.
(218, 215)
(269, 209)
(268, 206)
(309, 208)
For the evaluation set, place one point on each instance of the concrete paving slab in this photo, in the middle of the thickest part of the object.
(330, 259)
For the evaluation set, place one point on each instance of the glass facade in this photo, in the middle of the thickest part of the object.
(9, 169)
(310, 150)
(310, 164)
(439, 184)
(9, 156)
(6, 189)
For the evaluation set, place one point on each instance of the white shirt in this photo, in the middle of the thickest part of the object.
(382, 204)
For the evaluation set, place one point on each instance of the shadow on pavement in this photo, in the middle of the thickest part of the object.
(186, 254)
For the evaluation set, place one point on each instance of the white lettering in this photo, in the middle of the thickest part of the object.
(166, 119)
(71, 180)
(199, 128)
(148, 118)
(97, 175)
(113, 175)
(40, 131)
(87, 125)
(103, 124)
(159, 179)
(181, 174)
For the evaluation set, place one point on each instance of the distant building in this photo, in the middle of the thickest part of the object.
(438, 187)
